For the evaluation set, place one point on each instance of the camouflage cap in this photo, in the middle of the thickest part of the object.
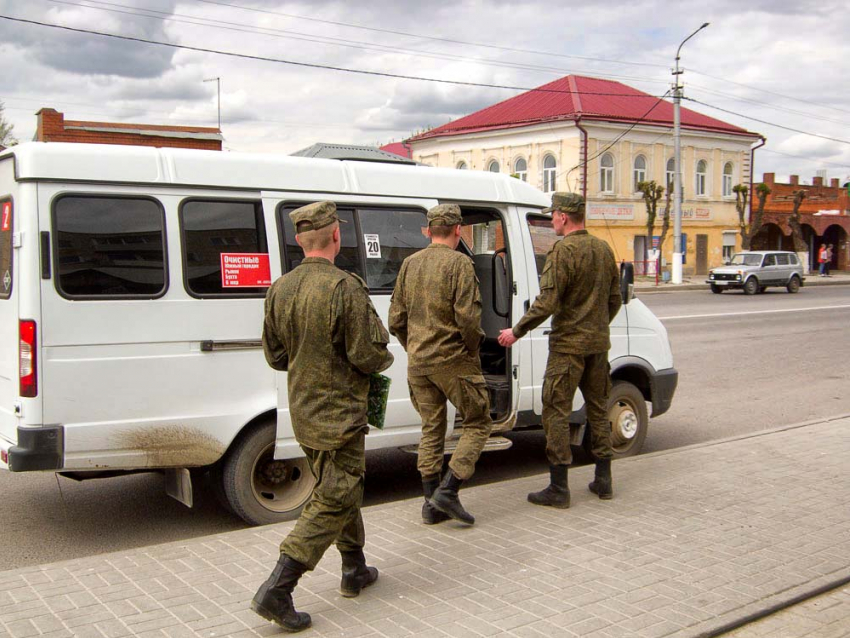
(314, 216)
(444, 215)
(566, 203)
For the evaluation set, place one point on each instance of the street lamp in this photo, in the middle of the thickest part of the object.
(218, 87)
(677, 160)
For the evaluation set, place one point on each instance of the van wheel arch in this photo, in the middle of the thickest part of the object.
(256, 487)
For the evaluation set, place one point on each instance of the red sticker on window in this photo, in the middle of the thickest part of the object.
(245, 270)
(6, 223)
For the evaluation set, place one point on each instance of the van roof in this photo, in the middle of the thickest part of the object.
(103, 163)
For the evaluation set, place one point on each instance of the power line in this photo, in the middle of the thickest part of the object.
(136, 12)
(755, 88)
(428, 37)
(312, 65)
(755, 119)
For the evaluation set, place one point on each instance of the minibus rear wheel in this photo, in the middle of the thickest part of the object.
(260, 489)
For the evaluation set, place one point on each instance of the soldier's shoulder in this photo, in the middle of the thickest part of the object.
(353, 281)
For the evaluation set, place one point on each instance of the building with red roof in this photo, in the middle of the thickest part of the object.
(397, 148)
(600, 138)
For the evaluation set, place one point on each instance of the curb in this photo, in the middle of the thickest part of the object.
(651, 288)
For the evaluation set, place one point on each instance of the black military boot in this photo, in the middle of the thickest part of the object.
(355, 573)
(602, 484)
(273, 600)
(445, 499)
(430, 514)
(558, 493)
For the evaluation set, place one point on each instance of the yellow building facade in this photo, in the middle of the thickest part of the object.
(604, 160)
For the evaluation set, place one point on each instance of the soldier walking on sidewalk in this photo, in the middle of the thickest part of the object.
(321, 327)
(436, 315)
(579, 288)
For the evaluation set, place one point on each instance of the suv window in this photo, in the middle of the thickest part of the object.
(781, 260)
(109, 246)
(6, 248)
(769, 260)
(793, 260)
(211, 228)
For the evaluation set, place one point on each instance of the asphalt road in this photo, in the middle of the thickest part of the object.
(745, 363)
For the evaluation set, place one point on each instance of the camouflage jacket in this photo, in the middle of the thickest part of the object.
(436, 310)
(580, 289)
(321, 327)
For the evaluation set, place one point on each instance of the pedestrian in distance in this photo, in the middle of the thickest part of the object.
(579, 288)
(822, 253)
(828, 259)
(320, 327)
(436, 315)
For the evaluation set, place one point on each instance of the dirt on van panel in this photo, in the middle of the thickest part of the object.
(175, 446)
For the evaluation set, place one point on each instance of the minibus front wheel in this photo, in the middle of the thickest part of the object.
(260, 489)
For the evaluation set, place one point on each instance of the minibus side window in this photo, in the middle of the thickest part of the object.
(389, 236)
(543, 237)
(109, 247)
(210, 228)
(349, 255)
(5, 248)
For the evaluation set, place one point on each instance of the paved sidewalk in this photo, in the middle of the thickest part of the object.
(694, 539)
(647, 284)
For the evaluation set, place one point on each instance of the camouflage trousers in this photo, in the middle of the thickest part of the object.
(564, 373)
(465, 387)
(333, 512)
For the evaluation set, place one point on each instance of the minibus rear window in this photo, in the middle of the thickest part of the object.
(5, 248)
(211, 228)
(109, 247)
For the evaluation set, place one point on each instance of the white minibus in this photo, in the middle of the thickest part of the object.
(131, 303)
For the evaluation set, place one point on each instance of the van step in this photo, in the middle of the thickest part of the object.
(494, 444)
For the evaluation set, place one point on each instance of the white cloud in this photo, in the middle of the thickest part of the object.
(795, 49)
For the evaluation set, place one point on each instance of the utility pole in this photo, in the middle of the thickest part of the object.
(218, 87)
(678, 249)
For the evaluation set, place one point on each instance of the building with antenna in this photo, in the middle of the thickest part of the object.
(600, 138)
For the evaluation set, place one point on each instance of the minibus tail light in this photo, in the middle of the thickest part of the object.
(27, 359)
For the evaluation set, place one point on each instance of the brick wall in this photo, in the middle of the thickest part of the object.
(818, 196)
(52, 127)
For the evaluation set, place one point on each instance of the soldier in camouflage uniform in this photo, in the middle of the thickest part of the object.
(321, 327)
(579, 287)
(436, 316)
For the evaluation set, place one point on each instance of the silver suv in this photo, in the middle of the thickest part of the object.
(755, 271)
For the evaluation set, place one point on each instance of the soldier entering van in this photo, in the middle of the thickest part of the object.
(579, 287)
(321, 327)
(436, 315)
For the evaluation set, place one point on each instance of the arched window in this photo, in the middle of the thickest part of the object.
(606, 173)
(702, 170)
(493, 166)
(521, 169)
(639, 172)
(550, 169)
(727, 179)
(671, 174)
(461, 165)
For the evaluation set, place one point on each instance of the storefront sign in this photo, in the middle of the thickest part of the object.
(245, 270)
(693, 213)
(612, 212)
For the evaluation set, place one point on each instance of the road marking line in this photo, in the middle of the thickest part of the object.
(753, 312)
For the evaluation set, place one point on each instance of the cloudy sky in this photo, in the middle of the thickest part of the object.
(785, 63)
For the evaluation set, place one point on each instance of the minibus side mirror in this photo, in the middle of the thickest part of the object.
(627, 281)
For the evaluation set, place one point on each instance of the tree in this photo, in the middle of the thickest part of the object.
(748, 231)
(652, 193)
(794, 223)
(7, 137)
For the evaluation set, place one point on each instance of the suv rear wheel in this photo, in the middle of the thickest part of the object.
(751, 286)
(793, 285)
